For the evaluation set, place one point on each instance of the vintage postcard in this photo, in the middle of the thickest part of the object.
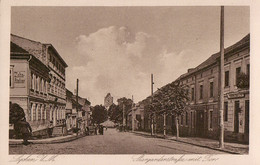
(132, 83)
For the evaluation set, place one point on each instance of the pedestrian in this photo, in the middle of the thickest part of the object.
(25, 130)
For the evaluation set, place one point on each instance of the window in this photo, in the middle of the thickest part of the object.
(45, 112)
(32, 85)
(51, 117)
(36, 82)
(31, 113)
(40, 112)
(186, 118)
(11, 77)
(181, 119)
(201, 91)
(210, 119)
(34, 111)
(192, 94)
(191, 123)
(40, 84)
(43, 86)
(211, 89)
(226, 78)
(225, 111)
(238, 70)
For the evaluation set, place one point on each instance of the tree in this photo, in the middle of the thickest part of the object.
(114, 113)
(99, 114)
(171, 99)
(243, 81)
(16, 113)
(126, 104)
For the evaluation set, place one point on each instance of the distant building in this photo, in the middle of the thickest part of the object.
(108, 101)
(77, 114)
(135, 117)
(37, 83)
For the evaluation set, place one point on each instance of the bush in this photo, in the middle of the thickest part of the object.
(75, 130)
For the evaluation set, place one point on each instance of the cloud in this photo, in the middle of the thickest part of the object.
(115, 60)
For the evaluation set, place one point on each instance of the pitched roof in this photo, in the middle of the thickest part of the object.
(213, 58)
(17, 49)
(34, 47)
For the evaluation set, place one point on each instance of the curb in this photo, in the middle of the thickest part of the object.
(63, 140)
(199, 145)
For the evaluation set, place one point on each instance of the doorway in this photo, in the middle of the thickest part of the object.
(236, 117)
(200, 123)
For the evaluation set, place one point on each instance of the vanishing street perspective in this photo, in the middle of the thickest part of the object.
(129, 80)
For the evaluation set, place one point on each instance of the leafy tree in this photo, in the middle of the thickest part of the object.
(243, 81)
(114, 113)
(171, 99)
(127, 104)
(99, 114)
(16, 113)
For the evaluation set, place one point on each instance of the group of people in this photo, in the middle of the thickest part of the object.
(95, 129)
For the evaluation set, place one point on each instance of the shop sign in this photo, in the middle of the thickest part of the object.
(235, 95)
(19, 79)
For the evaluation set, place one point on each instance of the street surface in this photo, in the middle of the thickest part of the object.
(113, 142)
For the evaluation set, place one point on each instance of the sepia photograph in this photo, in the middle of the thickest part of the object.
(129, 83)
(129, 80)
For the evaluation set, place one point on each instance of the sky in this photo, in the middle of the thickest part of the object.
(115, 49)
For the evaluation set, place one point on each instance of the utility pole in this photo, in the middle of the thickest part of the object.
(133, 119)
(77, 102)
(221, 98)
(152, 133)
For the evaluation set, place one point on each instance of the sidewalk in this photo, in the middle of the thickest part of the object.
(60, 139)
(233, 148)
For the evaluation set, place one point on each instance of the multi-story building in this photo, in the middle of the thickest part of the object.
(203, 81)
(37, 83)
(202, 119)
(77, 114)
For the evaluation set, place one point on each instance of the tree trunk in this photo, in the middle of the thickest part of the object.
(177, 127)
(152, 125)
(155, 124)
(164, 124)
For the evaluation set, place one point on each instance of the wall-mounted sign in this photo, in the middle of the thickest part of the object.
(235, 95)
(19, 79)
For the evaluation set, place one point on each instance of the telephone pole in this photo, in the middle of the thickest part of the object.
(152, 126)
(221, 98)
(77, 102)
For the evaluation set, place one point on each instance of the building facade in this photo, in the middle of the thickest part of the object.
(203, 82)
(37, 84)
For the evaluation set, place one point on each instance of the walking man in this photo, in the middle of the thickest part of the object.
(25, 129)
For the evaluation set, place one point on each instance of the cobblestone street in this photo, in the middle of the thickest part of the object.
(113, 142)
